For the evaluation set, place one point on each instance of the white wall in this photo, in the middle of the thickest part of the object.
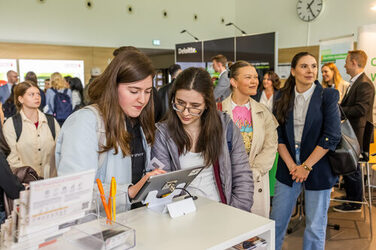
(108, 24)
(338, 18)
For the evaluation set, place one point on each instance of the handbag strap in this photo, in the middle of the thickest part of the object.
(342, 113)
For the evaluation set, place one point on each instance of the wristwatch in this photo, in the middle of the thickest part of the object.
(304, 165)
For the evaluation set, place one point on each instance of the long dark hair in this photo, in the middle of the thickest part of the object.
(276, 82)
(285, 102)
(210, 137)
(76, 84)
(127, 67)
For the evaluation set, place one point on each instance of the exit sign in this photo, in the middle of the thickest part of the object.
(156, 42)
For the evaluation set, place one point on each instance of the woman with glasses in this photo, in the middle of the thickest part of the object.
(258, 128)
(309, 122)
(196, 134)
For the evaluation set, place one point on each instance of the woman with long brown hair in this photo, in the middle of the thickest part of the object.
(113, 136)
(268, 90)
(331, 78)
(196, 134)
(309, 126)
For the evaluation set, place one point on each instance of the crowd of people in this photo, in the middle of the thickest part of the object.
(255, 140)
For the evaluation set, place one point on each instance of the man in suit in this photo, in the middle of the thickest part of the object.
(6, 89)
(222, 90)
(164, 92)
(357, 106)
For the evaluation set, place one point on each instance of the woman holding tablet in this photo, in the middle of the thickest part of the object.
(196, 134)
(114, 134)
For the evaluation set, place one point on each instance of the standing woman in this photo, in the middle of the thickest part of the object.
(331, 78)
(58, 85)
(75, 85)
(34, 146)
(309, 127)
(122, 115)
(258, 128)
(196, 134)
(268, 91)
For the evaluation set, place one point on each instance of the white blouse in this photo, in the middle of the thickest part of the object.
(268, 103)
(204, 184)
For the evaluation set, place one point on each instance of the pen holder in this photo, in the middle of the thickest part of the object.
(118, 203)
(96, 233)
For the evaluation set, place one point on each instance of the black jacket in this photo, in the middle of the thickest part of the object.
(357, 105)
(9, 183)
(164, 95)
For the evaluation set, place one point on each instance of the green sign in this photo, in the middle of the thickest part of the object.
(334, 57)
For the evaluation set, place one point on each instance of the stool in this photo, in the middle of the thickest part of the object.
(364, 164)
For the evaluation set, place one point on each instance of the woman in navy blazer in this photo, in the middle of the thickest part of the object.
(309, 127)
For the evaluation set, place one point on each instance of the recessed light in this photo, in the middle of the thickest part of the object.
(373, 8)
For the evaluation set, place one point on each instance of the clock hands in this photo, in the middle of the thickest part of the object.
(309, 7)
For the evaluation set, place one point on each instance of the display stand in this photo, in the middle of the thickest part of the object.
(160, 204)
(89, 232)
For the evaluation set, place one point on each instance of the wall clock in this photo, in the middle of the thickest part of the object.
(309, 10)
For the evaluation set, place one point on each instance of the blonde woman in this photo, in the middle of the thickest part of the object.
(59, 98)
(331, 78)
(33, 144)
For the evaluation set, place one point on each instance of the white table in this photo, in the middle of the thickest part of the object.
(212, 226)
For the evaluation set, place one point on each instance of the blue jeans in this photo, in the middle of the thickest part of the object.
(316, 209)
(316, 212)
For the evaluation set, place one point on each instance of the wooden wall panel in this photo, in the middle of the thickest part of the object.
(92, 56)
(286, 55)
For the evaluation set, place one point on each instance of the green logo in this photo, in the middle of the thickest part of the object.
(373, 61)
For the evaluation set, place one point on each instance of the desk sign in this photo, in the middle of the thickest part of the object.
(183, 207)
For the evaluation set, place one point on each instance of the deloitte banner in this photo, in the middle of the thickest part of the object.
(335, 51)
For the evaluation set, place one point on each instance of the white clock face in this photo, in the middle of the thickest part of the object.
(308, 10)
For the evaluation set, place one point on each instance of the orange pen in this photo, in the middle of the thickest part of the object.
(103, 198)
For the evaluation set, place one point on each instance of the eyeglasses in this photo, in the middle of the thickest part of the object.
(192, 111)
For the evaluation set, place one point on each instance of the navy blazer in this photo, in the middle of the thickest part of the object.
(322, 128)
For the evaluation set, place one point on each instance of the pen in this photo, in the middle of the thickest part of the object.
(113, 198)
(103, 198)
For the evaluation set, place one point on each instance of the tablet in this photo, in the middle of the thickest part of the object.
(163, 182)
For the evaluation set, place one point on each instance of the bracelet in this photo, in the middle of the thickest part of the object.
(304, 165)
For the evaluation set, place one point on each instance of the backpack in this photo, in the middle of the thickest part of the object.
(17, 123)
(62, 105)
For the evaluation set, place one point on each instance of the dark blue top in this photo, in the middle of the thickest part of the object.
(322, 128)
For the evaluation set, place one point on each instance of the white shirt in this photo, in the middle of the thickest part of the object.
(268, 103)
(233, 105)
(352, 80)
(204, 184)
(301, 104)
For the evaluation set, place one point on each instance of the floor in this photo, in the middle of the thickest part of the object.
(354, 232)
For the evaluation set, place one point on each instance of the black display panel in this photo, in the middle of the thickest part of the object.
(189, 52)
(223, 46)
(257, 49)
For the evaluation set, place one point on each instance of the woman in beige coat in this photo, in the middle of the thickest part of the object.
(34, 146)
(331, 78)
(258, 128)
